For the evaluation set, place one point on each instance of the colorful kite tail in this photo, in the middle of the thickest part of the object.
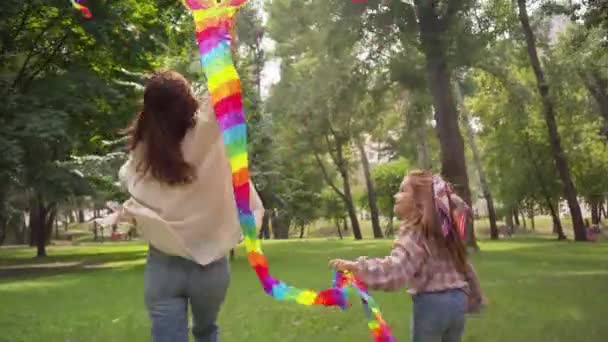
(214, 24)
(77, 4)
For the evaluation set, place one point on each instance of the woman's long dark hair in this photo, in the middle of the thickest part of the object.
(169, 110)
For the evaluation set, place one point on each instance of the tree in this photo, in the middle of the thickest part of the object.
(595, 14)
(250, 63)
(487, 194)
(388, 178)
(561, 160)
(68, 86)
(316, 89)
(516, 148)
(371, 191)
(444, 33)
(339, 159)
(434, 22)
(581, 53)
(581, 87)
(332, 208)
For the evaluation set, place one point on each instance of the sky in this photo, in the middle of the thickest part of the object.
(271, 73)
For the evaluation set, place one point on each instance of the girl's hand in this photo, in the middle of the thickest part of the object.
(343, 265)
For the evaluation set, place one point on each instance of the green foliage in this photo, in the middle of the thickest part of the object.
(106, 189)
(387, 178)
(69, 84)
(332, 206)
(361, 198)
(517, 156)
(595, 14)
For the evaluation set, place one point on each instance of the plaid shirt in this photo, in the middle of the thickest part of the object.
(412, 264)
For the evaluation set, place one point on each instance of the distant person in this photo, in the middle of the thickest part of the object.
(429, 258)
(182, 200)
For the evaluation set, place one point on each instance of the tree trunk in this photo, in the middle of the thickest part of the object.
(33, 214)
(371, 191)
(2, 230)
(280, 225)
(4, 218)
(595, 211)
(350, 205)
(40, 243)
(391, 228)
(345, 194)
(95, 236)
(21, 231)
(509, 220)
(603, 211)
(56, 226)
(302, 229)
(422, 148)
(531, 217)
(339, 231)
(41, 221)
(515, 214)
(433, 33)
(80, 215)
(51, 214)
(348, 197)
(523, 219)
(559, 156)
(485, 187)
(557, 223)
(265, 229)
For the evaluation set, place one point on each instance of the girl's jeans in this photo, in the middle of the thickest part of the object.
(439, 316)
(171, 283)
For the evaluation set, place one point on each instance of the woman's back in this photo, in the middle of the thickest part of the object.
(194, 216)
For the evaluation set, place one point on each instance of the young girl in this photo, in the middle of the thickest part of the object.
(180, 184)
(429, 258)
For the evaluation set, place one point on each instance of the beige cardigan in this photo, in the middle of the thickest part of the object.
(197, 221)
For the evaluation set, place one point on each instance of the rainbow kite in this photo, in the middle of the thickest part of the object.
(214, 21)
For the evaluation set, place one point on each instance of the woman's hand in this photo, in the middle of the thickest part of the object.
(343, 265)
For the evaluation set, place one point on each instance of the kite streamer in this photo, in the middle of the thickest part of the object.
(214, 22)
(77, 4)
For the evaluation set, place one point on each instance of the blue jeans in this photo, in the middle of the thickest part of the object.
(439, 316)
(171, 283)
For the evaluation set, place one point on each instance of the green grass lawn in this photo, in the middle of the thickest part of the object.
(539, 290)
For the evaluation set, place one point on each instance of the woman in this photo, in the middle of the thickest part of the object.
(428, 257)
(180, 184)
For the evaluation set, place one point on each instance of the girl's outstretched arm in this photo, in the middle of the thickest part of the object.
(390, 273)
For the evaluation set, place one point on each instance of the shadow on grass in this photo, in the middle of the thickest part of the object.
(519, 256)
(79, 262)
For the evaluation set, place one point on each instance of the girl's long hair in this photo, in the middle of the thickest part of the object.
(169, 110)
(424, 216)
